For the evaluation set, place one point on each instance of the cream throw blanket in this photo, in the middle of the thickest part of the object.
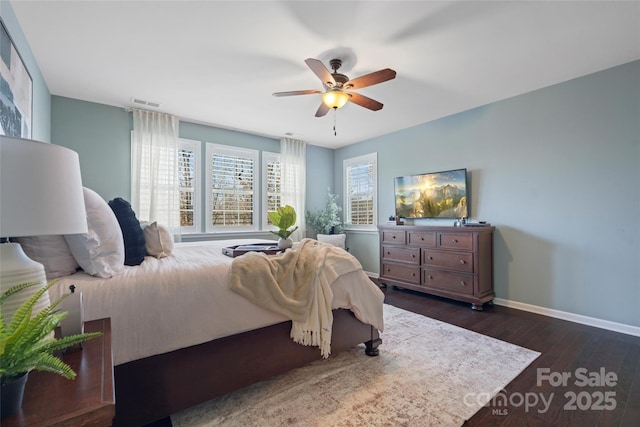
(296, 284)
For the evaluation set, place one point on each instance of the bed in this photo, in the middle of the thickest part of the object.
(181, 336)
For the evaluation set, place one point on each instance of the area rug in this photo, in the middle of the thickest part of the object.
(428, 373)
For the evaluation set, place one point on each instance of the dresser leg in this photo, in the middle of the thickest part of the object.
(477, 307)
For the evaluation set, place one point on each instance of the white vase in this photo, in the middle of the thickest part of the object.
(284, 243)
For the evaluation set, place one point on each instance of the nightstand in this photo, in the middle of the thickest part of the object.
(89, 399)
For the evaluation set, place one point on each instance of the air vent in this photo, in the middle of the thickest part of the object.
(143, 102)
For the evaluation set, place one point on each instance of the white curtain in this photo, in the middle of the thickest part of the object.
(155, 191)
(293, 181)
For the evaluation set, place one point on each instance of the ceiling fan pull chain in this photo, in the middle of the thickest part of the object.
(335, 113)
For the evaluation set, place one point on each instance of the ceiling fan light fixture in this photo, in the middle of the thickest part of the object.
(335, 98)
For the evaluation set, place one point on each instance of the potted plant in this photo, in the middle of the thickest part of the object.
(327, 221)
(284, 218)
(27, 343)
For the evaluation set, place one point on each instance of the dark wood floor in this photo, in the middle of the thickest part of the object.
(567, 348)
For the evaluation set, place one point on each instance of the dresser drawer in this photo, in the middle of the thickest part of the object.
(459, 261)
(448, 281)
(398, 237)
(406, 273)
(404, 254)
(423, 238)
(455, 241)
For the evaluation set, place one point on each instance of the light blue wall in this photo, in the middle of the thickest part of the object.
(41, 127)
(101, 135)
(319, 179)
(557, 171)
(229, 137)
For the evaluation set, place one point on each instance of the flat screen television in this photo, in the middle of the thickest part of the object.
(432, 195)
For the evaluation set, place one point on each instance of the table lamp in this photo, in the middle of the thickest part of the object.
(40, 194)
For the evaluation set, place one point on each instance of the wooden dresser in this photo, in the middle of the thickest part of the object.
(452, 262)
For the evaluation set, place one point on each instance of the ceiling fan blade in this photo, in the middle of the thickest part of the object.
(371, 79)
(297, 92)
(322, 110)
(365, 101)
(321, 71)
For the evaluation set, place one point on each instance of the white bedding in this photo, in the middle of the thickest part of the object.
(184, 299)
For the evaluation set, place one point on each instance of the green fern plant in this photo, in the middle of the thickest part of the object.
(26, 343)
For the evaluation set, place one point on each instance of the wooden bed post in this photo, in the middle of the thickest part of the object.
(372, 346)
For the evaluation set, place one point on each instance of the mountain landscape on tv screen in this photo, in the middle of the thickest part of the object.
(446, 201)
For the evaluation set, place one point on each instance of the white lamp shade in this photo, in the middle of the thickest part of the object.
(41, 189)
(40, 194)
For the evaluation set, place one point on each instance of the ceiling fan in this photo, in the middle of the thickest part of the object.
(338, 87)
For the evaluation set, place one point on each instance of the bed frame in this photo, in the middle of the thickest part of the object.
(155, 387)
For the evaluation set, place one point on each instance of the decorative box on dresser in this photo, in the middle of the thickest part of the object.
(452, 262)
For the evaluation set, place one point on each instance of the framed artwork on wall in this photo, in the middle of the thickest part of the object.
(16, 90)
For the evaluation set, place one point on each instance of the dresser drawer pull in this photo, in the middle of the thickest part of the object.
(413, 255)
(393, 237)
(430, 257)
(413, 274)
(430, 277)
(461, 261)
(454, 240)
(462, 283)
(422, 238)
(388, 252)
(388, 270)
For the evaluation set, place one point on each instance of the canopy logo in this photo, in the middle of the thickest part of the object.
(596, 396)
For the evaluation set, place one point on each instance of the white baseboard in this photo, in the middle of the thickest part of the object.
(571, 317)
(558, 314)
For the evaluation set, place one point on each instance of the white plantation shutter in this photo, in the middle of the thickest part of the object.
(231, 189)
(189, 178)
(360, 192)
(272, 198)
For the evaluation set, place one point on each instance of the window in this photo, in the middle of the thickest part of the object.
(272, 192)
(189, 180)
(231, 189)
(223, 196)
(360, 191)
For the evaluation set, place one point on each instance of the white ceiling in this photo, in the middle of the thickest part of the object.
(218, 62)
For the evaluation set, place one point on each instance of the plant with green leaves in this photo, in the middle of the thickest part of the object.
(283, 218)
(327, 221)
(27, 342)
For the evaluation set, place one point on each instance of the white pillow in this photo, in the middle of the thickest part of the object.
(52, 252)
(100, 252)
(334, 239)
(158, 240)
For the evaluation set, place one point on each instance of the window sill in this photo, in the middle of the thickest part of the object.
(197, 237)
(361, 230)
